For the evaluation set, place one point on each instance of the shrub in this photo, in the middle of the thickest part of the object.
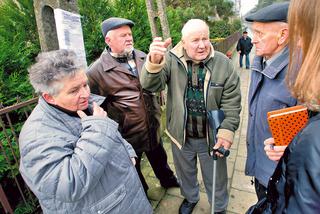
(19, 39)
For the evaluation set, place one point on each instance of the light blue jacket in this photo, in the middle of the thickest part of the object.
(268, 91)
(78, 165)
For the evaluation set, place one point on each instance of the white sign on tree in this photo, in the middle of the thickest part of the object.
(69, 33)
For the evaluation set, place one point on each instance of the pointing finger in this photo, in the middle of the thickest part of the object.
(81, 114)
(167, 42)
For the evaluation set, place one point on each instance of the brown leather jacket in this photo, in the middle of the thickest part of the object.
(136, 110)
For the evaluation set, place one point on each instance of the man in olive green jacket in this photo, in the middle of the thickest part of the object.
(199, 79)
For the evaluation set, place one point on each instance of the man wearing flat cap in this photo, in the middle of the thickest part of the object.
(115, 75)
(268, 90)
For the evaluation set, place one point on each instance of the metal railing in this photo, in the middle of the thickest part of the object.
(12, 188)
(11, 120)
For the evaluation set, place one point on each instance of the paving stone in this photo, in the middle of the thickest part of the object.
(203, 205)
(152, 181)
(240, 201)
(242, 150)
(240, 163)
(230, 167)
(156, 193)
(174, 192)
(232, 156)
(169, 205)
(242, 182)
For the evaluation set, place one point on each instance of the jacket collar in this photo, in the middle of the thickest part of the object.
(93, 98)
(109, 63)
(70, 122)
(275, 67)
(178, 51)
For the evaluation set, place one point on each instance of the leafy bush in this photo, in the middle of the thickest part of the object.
(19, 39)
(95, 11)
(176, 18)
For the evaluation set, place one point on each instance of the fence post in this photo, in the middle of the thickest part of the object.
(4, 201)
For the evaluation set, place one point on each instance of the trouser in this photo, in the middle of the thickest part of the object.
(185, 161)
(261, 190)
(247, 60)
(158, 161)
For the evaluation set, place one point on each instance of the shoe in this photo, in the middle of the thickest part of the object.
(172, 182)
(247, 68)
(186, 207)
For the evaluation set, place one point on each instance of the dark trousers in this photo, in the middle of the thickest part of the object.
(247, 60)
(261, 190)
(158, 161)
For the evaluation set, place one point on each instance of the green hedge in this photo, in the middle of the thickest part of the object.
(19, 45)
(19, 37)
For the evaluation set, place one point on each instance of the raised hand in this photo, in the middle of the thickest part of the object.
(158, 48)
(97, 111)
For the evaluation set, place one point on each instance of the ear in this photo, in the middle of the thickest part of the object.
(183, 42)
(107, 40)
(283, 36)
(48, 98)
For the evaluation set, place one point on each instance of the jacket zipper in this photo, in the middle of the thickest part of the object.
(147, 114)
(184, 101)
(206, 104)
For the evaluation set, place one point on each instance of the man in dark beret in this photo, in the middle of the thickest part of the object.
(268, 90)
(115, 75)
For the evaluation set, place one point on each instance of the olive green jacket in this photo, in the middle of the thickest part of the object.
(221, 87)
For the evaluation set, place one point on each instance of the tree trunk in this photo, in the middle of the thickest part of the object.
(163, 19)
(152, 18)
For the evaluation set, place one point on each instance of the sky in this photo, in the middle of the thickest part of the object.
(247, 5)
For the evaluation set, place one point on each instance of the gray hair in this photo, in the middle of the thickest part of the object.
(192, 25)
(50, 68)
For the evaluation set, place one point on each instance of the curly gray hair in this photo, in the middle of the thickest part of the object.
(50, 68)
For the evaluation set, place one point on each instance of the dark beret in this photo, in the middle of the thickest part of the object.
(113, 23)
(273, 13)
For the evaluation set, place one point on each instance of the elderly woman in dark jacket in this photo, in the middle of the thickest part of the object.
(295, 184)
(72, 156)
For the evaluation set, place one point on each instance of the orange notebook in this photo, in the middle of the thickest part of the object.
(286, 123)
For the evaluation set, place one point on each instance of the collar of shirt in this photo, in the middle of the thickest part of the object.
(275, 56)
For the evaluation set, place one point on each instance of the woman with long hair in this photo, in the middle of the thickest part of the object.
(295, 185)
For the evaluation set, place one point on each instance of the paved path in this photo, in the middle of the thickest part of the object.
(241, 192)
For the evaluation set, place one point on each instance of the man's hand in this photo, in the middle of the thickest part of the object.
(97, 111)
(273, 152)
(222, 143)
(133, 161)
(157, 49)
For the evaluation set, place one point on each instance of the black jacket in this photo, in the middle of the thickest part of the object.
(295, 185)
(244, 45)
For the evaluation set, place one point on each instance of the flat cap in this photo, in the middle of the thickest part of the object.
(273, 13)
(113, 23)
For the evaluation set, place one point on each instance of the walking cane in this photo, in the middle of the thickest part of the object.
(215, 117)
